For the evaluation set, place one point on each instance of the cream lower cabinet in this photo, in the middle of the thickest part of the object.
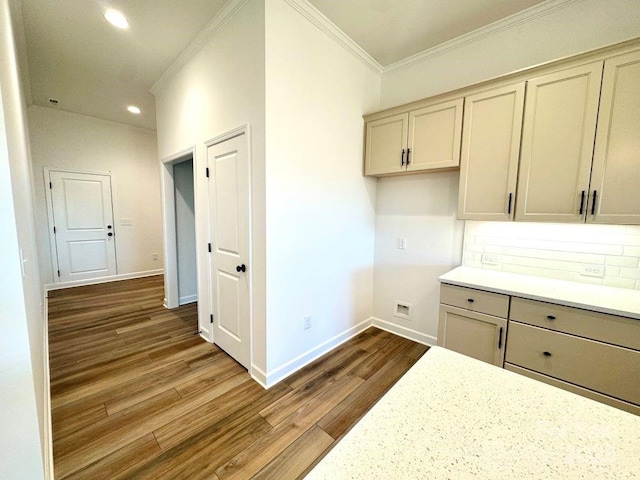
(490, 154)
(615, 196)
(558, 135)
(589, 353)
(468, 323)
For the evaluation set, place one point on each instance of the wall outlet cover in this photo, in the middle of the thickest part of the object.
(307, 322)
(489, 259)
(592, 270)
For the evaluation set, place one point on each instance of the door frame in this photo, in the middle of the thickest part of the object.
(171, 293)
(245, 130)
(52, 239)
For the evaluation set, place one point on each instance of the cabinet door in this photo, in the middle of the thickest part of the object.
(490, 153)
(473, 334)
(434, 136)
(616, 162)
(557, 144)
(386, 145)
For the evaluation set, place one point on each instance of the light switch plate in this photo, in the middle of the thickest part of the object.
(489, 259)
(402, 243)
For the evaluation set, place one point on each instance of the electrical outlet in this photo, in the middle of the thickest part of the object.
(125, 222)
(489, 259)
(402, 243)
(307, 322)
(589, 270)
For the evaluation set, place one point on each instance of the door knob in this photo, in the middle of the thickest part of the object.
(241, 268)
(109, 227)
(110, 234)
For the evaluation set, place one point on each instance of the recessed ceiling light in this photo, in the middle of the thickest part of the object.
(116, 19)
(133, 109)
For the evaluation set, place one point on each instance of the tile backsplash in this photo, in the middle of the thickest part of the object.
(598, 254)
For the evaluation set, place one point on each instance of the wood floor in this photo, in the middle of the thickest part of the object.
(136, 394)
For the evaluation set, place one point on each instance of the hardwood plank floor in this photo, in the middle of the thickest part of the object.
(137, 394)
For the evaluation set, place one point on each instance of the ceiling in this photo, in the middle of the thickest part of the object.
(92, 68)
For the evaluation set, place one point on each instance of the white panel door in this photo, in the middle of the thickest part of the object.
(82, 215)
(229, 259)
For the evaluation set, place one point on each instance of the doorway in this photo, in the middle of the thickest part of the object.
(185, 231)
(178, 200)
(82, 234)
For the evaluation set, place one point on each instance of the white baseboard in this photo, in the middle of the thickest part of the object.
(269, 379)
(188, 299)
(94, 281)
(48, 428)
(404, 332)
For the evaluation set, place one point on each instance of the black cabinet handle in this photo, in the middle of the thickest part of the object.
(241, 268)
(470, 300)
(500, 339)
(509, 207)
(546, 354)
(582, 202)
(402, 162)
(593, 205)
(408, 154)
(551, 317)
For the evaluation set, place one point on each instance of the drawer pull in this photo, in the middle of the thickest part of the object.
(470, 300)
(550, 317)
(546, 354)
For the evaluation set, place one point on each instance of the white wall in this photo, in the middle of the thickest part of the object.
(422, 210)
(575, 28)
(320, 208)
(62, 140)
(221, 88)
(22, 374)
(185, 231)
(555, 250)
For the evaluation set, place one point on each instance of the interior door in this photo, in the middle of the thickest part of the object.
(229, 258)
(82, 213)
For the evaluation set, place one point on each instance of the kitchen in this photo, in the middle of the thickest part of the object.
(420, 209)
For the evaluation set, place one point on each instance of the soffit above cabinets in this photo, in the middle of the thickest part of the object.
(392, 30)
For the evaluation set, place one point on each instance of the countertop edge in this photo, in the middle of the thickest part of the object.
(532, 294)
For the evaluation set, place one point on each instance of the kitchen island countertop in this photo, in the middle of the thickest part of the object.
(454, 417)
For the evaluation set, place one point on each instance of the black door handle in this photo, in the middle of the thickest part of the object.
(109, 227)
(110, 234)
(241, 268)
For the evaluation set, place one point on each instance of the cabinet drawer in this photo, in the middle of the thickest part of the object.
(613, 329)
(494, 304)
(598, 366)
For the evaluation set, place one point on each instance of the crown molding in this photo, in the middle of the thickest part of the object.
(326, 26)
(225, 14)
(511, 21)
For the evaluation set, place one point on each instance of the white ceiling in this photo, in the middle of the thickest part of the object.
(391, 30)
(94, 69)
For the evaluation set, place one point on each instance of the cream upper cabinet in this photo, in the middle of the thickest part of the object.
(386, 145)
(434, 136)
(557, 145)
(615, 180)
(490, 153)
(419, 140)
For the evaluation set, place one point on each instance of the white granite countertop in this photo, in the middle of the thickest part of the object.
(616, 301)
(454, 417)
